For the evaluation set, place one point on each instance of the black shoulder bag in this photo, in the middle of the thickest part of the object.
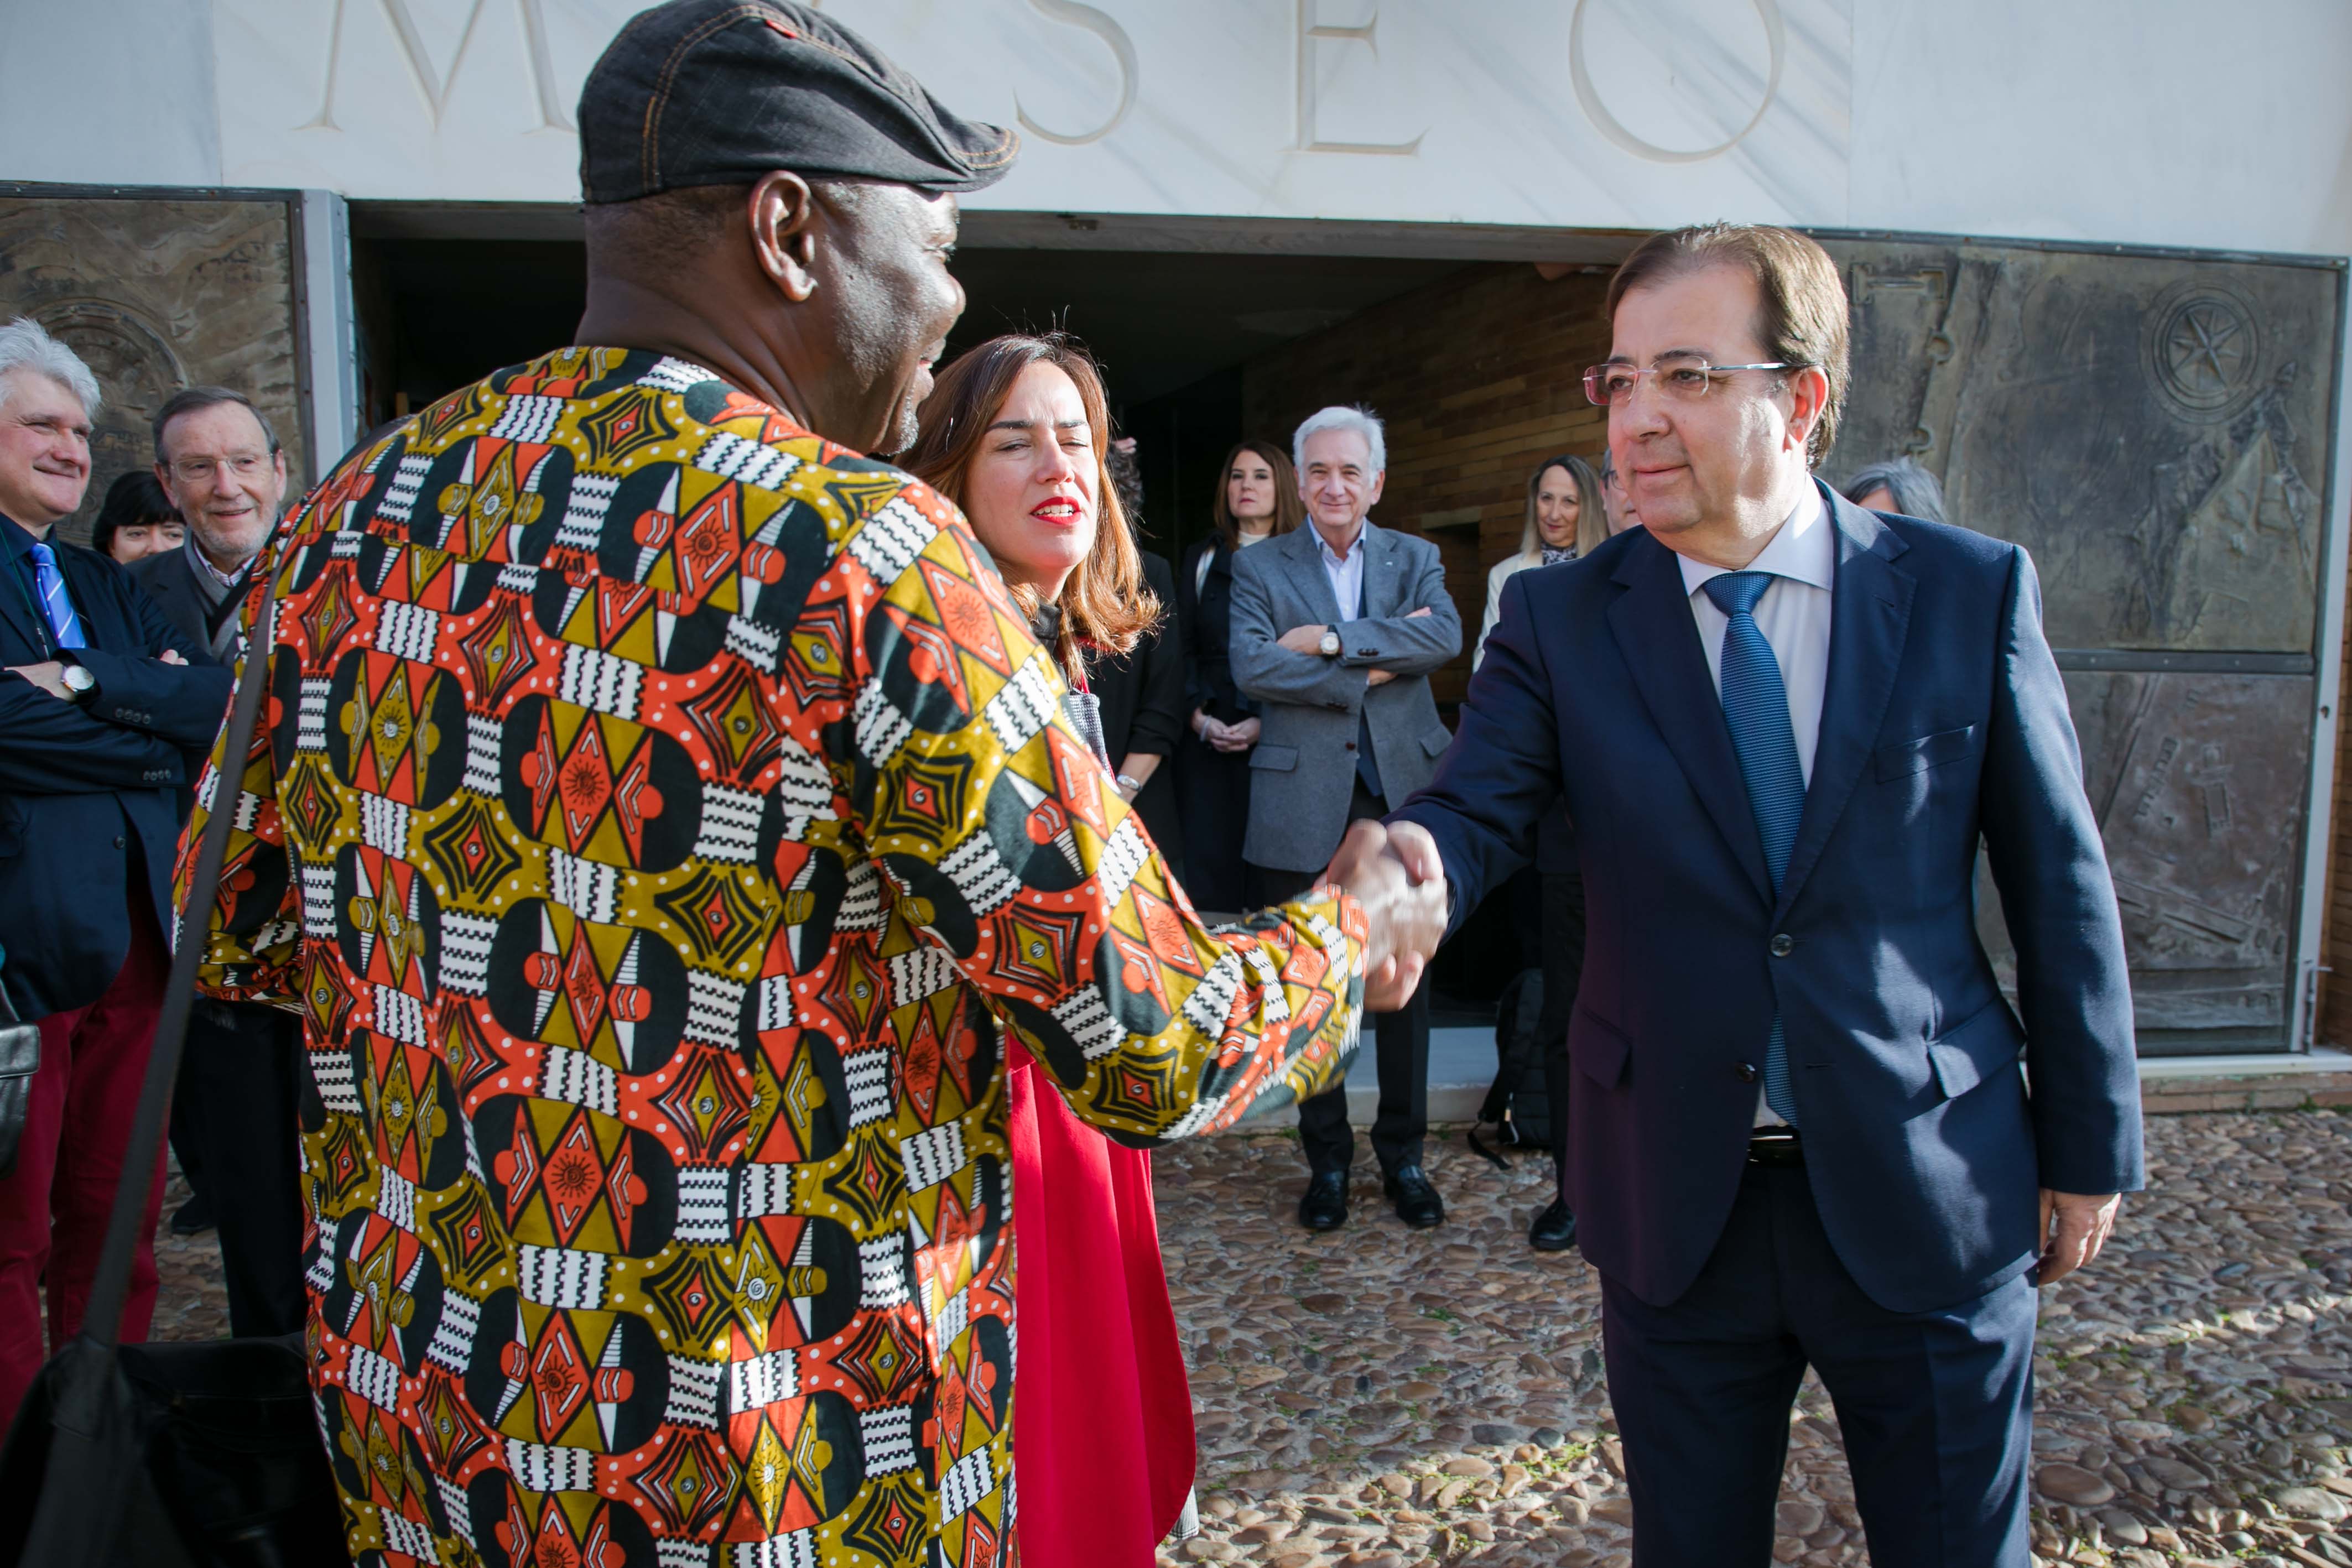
(172, 1456)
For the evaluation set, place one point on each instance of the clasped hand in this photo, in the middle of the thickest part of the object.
(1396, 875)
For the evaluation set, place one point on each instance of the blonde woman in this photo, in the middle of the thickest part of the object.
(1565, 519)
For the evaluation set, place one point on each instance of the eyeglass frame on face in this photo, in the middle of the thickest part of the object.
(1596, 376)
(198, 470)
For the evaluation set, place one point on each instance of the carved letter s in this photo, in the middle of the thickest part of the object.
(1121, 46)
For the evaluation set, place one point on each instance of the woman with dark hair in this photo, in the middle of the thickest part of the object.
(1257, 498)
(1566, 518)
(1015, 434)
(137, 519)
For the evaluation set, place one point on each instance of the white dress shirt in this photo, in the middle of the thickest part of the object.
(1793, 615)
(1346, 572)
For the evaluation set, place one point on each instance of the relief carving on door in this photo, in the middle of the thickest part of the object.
(156, 295)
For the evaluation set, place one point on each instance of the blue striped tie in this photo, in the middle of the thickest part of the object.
(1755, 706)
(51, 583)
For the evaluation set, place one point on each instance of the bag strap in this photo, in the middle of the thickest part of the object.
(103, 1318)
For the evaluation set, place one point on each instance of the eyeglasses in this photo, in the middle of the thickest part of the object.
(196, 470)
(1685, 378)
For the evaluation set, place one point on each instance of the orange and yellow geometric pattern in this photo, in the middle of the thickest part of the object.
(666, 824)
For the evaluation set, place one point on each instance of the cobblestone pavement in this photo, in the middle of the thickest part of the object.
(1378, 1397)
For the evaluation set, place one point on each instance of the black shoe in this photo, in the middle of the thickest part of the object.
(1417, 1203)
(194, 1216)
(1554, 1229)
(1325, 1206)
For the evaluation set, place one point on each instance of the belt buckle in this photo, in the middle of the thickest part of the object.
(1776, 1148)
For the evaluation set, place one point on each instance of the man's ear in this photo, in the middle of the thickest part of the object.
(1809, 390)
(784, 220)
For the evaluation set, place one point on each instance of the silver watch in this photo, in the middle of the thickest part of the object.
(1331, 643)
(78, 680)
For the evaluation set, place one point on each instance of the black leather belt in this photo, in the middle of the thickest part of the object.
(1777, 1149)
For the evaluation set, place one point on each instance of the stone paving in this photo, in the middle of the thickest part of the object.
(1379, 1397)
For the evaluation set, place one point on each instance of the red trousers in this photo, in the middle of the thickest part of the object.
(54, 1204)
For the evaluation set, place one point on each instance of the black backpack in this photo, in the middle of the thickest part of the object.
(1518, 1106)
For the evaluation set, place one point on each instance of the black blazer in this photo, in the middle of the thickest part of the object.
(1944, 719)
(90, 792)
(1143, 708)
(1205, 614)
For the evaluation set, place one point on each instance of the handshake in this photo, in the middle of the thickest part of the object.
(1396, 875)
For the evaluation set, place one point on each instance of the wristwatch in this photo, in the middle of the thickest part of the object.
(1129, 783)
(1331, 643)
(78, 681)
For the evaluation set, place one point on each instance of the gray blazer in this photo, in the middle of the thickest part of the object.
(1303, 770)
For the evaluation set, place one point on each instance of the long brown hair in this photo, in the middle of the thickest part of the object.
(1289, 511)
(1591, 512)
(1105, 602)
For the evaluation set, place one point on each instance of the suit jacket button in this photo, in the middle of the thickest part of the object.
(118, 840)
(1351, 746)
(1367, 653)
(1784, 944)
(1745, 1072)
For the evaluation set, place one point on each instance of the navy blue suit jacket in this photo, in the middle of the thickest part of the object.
(1944, 719)
(85, 788)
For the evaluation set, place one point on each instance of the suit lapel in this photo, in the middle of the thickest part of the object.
(1869, 615)
(16, 596)
(1302, 553)
(1380, 573)
(1651, 619)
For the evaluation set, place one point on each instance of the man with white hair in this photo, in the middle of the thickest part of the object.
(1336, 629)
(107, 711)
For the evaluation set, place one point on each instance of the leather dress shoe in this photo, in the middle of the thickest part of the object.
(1417, 1203)
(1325, 1206)
(1554, 1229)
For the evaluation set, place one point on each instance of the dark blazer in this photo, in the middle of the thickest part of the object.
(1944, 719)
(86, 786)
(170, 580)
(1142, 696)
(1206, 615)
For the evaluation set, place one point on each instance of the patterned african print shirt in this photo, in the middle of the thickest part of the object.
(664, 825)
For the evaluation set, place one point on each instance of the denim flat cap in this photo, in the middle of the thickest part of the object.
(721, 93)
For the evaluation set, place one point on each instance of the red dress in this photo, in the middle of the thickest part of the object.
(1103, 1457)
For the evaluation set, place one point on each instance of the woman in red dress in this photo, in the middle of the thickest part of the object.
(1015, 434)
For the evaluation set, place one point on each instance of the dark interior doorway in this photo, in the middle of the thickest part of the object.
(439, 307)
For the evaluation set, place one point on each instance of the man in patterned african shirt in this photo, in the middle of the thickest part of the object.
(665, 826)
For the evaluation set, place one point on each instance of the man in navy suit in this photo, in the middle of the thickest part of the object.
(1801, 1133)
(106, 713)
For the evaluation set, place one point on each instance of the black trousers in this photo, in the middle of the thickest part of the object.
(241, 1085)
(1563, 961)
(1936, 1407)
(1400, 1043)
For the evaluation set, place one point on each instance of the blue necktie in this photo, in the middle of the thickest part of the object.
(1755, 706)
(51, 585)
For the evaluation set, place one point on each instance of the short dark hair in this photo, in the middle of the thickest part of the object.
(1802, 318)
(133, 498)
(190, 400)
